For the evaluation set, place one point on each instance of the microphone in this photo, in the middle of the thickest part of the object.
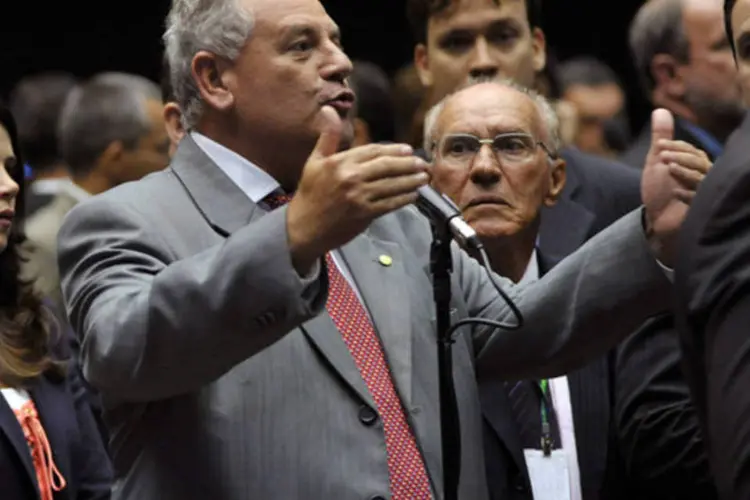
(443, 212)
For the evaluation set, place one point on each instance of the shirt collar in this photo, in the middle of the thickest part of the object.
(707, 141)
(252, 180)
(531, 273)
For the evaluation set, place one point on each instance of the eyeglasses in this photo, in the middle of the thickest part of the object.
(513, 148)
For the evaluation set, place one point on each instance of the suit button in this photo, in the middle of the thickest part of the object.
(367, 416)
(520, 486)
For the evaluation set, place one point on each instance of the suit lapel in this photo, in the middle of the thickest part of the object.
(378, 270)
(496, 409)
(221, 201)
(10, 426)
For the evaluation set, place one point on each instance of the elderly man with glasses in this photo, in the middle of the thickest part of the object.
(493, 147)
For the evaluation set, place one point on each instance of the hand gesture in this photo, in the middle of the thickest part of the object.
(341, 193)
(671, 176)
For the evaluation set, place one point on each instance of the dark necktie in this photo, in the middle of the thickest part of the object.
(526, 405)
(406, 469)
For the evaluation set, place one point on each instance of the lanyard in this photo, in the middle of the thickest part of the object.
(547, 441)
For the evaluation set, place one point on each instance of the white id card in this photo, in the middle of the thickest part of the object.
(549, 475)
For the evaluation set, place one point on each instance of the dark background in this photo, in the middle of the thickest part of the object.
(86, 37)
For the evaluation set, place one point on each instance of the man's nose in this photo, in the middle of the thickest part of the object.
(482, 62)
(485, 170)
(339, 65)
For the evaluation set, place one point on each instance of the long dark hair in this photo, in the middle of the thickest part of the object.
(24, 323)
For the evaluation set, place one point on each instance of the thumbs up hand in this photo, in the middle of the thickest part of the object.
(341, 193)
(671, 176)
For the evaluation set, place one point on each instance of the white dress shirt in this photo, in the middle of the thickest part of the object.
(256, 184)
(561, 400)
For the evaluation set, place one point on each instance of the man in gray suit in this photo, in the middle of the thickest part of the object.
(249, 352)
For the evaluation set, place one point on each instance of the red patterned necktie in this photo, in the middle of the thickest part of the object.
(408, 476)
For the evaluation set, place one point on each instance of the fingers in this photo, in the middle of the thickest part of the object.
(396, 186)
(385, 167)
(662, 125)
(687, 177)
(685, 147)
(692, 161)
(387, 205)
(684, 195)
(372, 151)
(330, 135)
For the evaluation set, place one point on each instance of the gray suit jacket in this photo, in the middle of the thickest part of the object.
(41, 231)
(224, 378)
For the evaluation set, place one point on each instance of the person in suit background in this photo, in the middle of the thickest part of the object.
(374, 116)
(599, 98)
(685, 64)
(36, 103)
(246, 347)
(50, 448)
(713, 303)
(460, 41)
(111, 131)
(502, 200)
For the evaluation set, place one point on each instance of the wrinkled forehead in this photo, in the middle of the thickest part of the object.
(489, 110)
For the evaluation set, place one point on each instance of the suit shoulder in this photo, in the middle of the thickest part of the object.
(592, 168)
(135, 196)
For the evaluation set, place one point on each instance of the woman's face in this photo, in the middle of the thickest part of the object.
(8, 187)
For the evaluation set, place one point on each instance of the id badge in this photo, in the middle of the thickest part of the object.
(548, 474)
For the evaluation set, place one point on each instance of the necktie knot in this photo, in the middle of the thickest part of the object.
(277, 199)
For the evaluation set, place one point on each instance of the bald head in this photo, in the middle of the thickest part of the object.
(493, 105)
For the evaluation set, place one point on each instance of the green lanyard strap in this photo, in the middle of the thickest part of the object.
(546, 433)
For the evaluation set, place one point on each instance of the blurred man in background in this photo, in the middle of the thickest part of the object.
(374, 119)
(685, 63)
(111, 131)
(597, 94)
(36, 103)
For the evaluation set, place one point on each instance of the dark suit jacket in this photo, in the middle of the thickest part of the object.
(74, 439)
(636, 154)
(597, 192)
(658, 430)
(590, 401)
(712, 281)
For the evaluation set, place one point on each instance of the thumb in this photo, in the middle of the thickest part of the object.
(330, 133)
(662, 126)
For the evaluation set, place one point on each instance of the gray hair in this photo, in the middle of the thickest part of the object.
(657, 29)
(221, 27)
(109, 107)
(544, 107)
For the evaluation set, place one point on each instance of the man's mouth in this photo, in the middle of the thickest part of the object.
(343, 103)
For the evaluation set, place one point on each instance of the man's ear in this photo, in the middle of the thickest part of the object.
(539, 48)
(422, 64)
(557, 182)
(209, 72)
(667, 77)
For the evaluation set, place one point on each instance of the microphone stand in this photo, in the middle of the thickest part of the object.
(441, 266)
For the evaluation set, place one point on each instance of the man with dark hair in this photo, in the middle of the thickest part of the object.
(713, 277)
(36, 102)
(597, 94)
(457, 41)
(683, 57)
(375, 119)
